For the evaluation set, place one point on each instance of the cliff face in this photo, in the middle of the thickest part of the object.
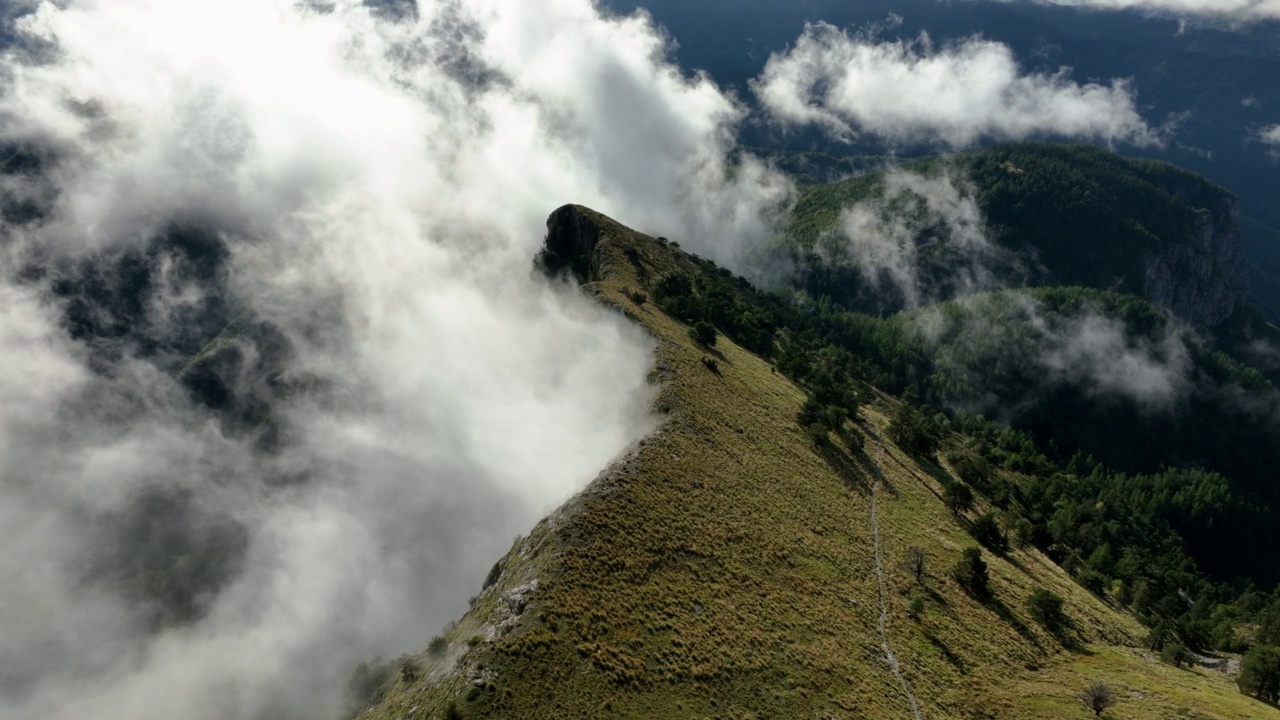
(1203, 279)
(573, 234)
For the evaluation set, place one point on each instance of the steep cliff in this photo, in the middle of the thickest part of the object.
(1203, 278)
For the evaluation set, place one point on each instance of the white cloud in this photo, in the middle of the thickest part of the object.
(380, 188)
(955, 94)
(1243, 10)
(884, 237)
(1271, 136)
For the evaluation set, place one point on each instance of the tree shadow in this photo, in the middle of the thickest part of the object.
(955, 660)
(845, 465)
(996, 605)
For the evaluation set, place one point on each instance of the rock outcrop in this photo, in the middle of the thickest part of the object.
(1203, 279)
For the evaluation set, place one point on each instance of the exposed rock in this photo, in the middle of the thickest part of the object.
(512, 606)
(1204, 279)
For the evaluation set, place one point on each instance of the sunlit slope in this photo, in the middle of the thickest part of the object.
(726, 568)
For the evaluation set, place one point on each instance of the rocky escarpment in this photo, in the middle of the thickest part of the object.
(573, 236)
(1203, 279)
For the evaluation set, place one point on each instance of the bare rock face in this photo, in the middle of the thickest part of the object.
(1204, 279)
(573, 232)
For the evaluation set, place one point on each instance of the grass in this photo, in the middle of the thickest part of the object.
(724, 569)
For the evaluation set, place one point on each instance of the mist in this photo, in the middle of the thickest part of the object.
(920, 238)
(281, 385)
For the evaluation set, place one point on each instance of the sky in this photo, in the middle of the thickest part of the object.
(362, 191)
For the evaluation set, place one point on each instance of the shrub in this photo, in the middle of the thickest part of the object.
(452, 712)
(1046, 607)
(986, 530)
(703, 333)
(437, 647)
(959, 497)
(817, 433)
(1097, 698)
(1260, 673)
(638, 297)
(971, 573)
(1176, 654)
(915, 608)
(711, 364)
(1094, 581)
(410, 670)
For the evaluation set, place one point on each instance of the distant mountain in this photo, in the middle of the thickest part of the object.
(1217, 86)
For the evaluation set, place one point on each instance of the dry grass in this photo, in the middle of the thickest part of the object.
(724, 569)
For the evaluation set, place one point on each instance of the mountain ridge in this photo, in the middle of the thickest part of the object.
(725, 567)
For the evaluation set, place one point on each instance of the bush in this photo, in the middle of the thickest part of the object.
(986, 530)
(703, 333)
(410, 670)
(1097, 698)
(1260, 673)
(1046, 607)
(959, 497)
(1176, 654)
(1094, 581)
(437, 647)
(817, 434)
(915, 608)
(452, 712)
(971, 573)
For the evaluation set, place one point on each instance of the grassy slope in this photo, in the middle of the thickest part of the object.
(724, 569)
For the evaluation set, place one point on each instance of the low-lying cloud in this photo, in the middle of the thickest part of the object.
(222, 529)
(1000, 352)
(955, 94)
(918, 238)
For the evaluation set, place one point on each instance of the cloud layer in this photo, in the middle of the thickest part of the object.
(955, 94)
(356, 195)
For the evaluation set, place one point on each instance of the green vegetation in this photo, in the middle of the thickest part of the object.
(1046, 607)
(971, 573)
(1260, 673)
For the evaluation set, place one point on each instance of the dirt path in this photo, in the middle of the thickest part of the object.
(882, 592)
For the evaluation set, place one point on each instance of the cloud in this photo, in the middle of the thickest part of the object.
(1271, 136)
(955, 94)
(1001, 352)
(356, 196)
(885, 236)
(1241, 10)
(918, 238)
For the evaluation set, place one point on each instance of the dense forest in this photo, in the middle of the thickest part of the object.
(1094, 425)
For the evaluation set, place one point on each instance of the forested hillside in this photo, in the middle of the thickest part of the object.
(1027, 215)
